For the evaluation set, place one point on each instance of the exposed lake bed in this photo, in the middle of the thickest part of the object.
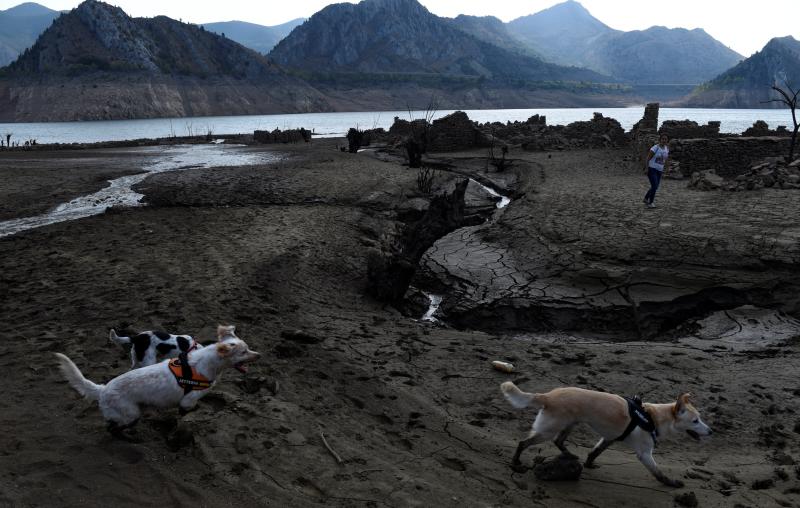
(412, 407)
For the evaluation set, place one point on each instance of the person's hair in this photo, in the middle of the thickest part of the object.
(662, 135)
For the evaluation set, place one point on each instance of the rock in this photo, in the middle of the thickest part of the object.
(706, 181)
(295, 438)
(688, 499)
(559, 469)
(782, 459)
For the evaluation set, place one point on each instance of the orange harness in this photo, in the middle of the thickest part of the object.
(186, 375)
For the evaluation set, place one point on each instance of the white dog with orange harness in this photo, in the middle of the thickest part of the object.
(182, 381)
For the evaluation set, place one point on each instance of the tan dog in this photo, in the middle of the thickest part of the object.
(609, 415)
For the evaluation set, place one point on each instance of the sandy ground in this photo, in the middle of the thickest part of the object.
(413, 410)
(33, 182)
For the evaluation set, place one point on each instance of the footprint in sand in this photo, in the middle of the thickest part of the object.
(451, 463)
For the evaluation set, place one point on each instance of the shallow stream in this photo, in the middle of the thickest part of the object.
(120, 193)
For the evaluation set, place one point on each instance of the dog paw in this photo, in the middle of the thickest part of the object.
(673, 483)
(590, 465)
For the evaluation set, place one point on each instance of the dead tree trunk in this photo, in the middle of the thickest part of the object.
(789, 98)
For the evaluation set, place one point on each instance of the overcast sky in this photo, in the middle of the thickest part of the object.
(743, 26)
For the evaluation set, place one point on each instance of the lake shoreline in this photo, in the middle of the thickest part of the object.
(337, 124)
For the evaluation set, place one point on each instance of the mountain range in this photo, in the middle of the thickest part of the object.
(20, 26)
(96, 62)
(567, 33)
(403, 37)
(250, 35)
(748, 84)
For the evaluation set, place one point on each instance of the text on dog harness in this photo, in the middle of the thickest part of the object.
(639, 418)
(187, 377)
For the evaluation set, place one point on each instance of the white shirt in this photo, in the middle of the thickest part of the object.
(659, 157)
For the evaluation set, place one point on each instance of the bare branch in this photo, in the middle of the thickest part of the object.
(783, 93)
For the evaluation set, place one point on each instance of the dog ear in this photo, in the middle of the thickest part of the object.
(224, 331)
(224, 349)
(683, 401)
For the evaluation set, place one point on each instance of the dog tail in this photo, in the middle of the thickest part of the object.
(517, 397)
(122, 341)
(76, 380)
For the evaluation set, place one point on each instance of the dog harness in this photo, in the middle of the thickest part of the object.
(639, 418)
(187, 377)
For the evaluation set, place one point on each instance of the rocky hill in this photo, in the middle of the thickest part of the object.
(96, 62)
(250, 35)
(401, 37)
(19, 28)
(561, 33)
(568, 34)
(747, 85)
(492, 30)
(661, 55)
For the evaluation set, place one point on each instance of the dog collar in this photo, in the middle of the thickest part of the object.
(187, 376)
(639, 418)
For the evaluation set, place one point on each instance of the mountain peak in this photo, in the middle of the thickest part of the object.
(402, 38)
(570, 6)
(98, 37)
(26, 10)
(783, 42)
(559, 32)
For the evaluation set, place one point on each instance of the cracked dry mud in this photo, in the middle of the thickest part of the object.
(579, 252)
(413, 410)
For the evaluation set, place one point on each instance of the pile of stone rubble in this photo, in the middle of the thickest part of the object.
(772, 172)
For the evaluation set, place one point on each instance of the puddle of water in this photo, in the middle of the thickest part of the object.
(435, 302)
(503, 201)
(120, 192)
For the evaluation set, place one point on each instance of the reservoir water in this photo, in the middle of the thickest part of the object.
(337, 124)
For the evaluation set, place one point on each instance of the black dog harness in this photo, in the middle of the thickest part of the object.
(639, 418)
(186, 376)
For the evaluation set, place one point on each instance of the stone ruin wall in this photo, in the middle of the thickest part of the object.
(456, 132)
(279, 136)
(644, 135)
(702, 147)
(688, 129)
(729, 157)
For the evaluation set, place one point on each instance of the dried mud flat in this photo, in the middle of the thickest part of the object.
(413, 409)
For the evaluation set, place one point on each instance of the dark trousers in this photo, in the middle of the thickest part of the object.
(654, 176)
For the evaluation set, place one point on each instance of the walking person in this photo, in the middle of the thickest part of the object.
(657, 160)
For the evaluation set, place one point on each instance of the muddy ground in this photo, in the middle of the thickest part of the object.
(413, 409)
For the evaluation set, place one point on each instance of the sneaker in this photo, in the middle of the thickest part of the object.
(651, 205)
